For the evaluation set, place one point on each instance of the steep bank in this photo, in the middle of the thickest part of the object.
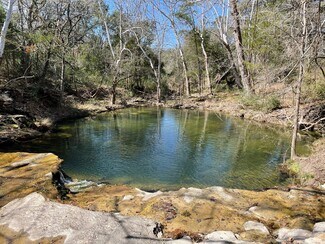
(186, 212)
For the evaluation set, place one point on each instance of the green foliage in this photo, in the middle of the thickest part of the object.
(314, 89)
(294, 170)
(261, 103)
(293, 167)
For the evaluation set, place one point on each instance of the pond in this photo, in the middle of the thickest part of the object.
(153, 148)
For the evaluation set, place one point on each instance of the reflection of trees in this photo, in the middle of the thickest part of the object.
(171, 146)
(258, 152)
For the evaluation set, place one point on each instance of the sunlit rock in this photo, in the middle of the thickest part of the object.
(285, 234)
(39, 218)
(253, 225)
(147, 195)
(319, 227)
(127, 198)
(217, 236)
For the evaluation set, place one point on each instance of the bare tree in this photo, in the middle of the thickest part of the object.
(206, 59)
(222, 35)
(171, 17)
(5, 27)
(118, 53)
(245, 79)
(160, 35)
(303, 45)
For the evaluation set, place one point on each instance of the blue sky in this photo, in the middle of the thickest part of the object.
(152, 13)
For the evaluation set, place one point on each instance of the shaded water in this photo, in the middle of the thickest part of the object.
(164, 149)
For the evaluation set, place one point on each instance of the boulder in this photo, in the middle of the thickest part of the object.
(220, 236)
(285, 234)
(319, 227)
(254, 225)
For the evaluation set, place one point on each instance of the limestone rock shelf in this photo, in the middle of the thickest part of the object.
(187, 213)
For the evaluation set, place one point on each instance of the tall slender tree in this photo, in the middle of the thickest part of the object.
(303, 44)
(5, 27)
(245, 79)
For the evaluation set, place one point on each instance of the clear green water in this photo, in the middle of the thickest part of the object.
(168, 149)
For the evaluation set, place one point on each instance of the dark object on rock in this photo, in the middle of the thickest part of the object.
(59, 179)
(242, 116)
(159, 228)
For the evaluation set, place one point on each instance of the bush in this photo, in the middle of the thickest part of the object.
(272, 103)
(266, 104)
(313, 88)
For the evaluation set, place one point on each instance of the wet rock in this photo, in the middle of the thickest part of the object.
(285, 234)
(254, 225)
(37, 217)
(220, 236)
(319, 227)
(78, 186)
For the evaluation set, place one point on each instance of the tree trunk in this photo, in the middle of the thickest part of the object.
(5, 28)
(239, 48)
(158, 91)
(187, 82)
(233, 64)
(299, 82)
(46, 65)
(199, 68)
(62, 77)
(114, 85)
(206, 66)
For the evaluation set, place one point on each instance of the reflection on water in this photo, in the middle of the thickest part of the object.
(168, 149)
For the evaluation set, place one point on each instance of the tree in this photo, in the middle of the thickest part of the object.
(239, 48)
(5, 27)
(303, 44)
(171, 16)
(222, 29)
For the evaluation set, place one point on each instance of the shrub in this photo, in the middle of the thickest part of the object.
(272, 103)
(265, 104)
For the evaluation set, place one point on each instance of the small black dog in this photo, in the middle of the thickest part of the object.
(159, 228)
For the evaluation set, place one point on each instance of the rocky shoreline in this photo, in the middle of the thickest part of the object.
(188, 215)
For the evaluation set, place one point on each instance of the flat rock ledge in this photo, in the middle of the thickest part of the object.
(40, 218)
(35, 219)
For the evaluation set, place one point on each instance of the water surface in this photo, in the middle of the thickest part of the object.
(165, 149)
